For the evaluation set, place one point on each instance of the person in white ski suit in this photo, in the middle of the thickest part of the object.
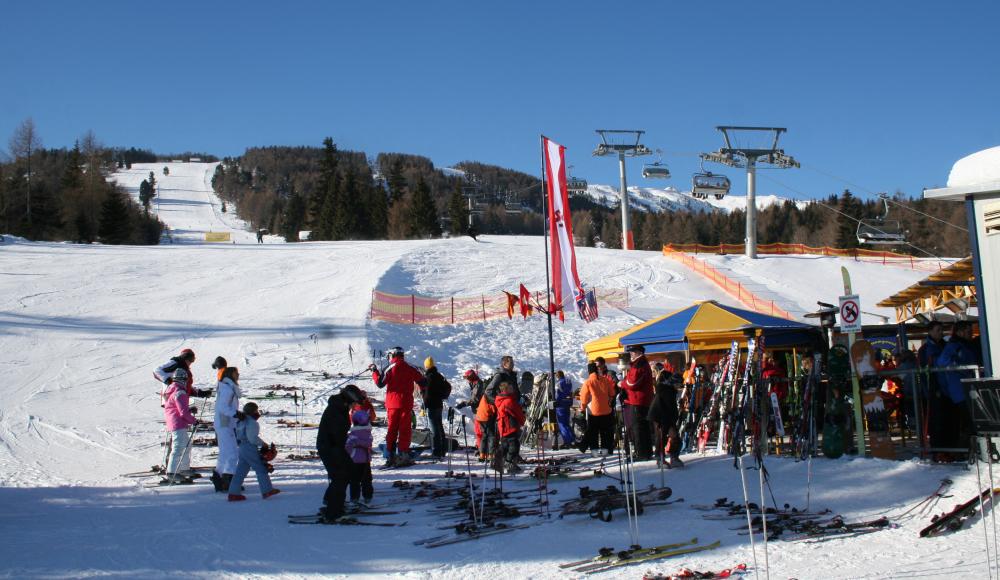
(227, 408)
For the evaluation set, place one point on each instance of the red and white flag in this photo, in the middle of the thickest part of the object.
(565, 281)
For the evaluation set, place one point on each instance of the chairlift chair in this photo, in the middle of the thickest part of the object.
(707, 183)
(879, 230)
(655, 171)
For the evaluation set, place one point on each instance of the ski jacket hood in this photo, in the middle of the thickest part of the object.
(176, 410)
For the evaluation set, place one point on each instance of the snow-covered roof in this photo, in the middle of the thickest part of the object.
(974, 174)
(980, 167)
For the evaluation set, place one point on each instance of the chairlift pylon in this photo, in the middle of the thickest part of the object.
(879, 230)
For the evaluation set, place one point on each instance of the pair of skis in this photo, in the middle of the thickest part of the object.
(608, 558)
(955, 519)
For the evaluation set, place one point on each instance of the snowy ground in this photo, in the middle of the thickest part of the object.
(81, 328)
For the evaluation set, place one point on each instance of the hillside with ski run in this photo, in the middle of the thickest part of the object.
(82, 327)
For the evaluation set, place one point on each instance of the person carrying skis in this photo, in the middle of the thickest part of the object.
(437, 391)
(398, 380)
(179, 416)
(251, 451)
(510, 419)
(663, 415)
(564, 409)
(227, 411)
(331, 443)
(638, 388)
(596, 399)
(359, 448)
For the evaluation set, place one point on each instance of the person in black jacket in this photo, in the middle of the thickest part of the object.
(663, 415)
(505, 374)
(438, 389)
(330, 443)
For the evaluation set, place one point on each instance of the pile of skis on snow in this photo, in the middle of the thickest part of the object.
(789, 523)
(609, 558)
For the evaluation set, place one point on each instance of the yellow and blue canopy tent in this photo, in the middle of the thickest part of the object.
(702, 326)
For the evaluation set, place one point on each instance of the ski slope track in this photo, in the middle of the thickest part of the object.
(82, 328)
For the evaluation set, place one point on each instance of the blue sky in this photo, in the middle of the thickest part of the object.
(882, 94)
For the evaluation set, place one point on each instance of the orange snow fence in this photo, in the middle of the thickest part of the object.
(730, 286)
(413, 309)
(859, 254)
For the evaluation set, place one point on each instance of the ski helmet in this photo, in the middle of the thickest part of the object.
(187, 354)
(429, 362)
(470, 375)
(396, 351)
(181, 376)
(250, 408)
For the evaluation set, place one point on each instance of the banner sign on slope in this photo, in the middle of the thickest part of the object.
(850, 313)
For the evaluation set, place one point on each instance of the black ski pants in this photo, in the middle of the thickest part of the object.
(339, 472)
(600, 427)
(639, 430)
(361, 481)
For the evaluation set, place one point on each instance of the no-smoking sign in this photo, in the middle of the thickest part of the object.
(850, 313)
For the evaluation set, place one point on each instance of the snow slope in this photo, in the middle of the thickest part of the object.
(82, 327)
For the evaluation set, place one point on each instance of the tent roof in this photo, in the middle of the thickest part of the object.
(705, 325)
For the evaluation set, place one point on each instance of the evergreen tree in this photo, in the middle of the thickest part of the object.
(377, 206)
(321, 207)
(424, 219)
(72, 178)
(145, 195)
(396, 181)
(847, 224)
(84, 229)
(46, 221)
(458, 213)
(293, 217)
(115, 226)
(148, 229)
(345, 223)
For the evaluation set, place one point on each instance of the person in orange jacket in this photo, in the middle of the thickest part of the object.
(486, 418)
(398, 380)
(510, 419)
(597, 399)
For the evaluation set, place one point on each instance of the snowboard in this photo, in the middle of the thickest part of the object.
(876, 415)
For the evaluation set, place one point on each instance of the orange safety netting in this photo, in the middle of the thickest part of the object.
(860, 254)
(730, 286)
(413, 309)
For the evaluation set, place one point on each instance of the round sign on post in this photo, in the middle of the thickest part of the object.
(850, 313)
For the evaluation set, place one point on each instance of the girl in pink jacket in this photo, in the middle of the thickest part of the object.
(178, 417)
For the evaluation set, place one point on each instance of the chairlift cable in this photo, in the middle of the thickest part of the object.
(887, 198)
(852, 218)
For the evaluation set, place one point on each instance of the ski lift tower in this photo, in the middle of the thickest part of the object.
(624, 142)
(745, 147)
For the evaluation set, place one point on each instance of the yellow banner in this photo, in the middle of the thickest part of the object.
(216, 236)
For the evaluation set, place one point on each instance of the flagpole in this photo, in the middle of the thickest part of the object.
(548, 290)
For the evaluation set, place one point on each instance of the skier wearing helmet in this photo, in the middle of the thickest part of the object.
(398, 380)
(178, 418)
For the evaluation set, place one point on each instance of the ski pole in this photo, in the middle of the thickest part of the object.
(468, 468)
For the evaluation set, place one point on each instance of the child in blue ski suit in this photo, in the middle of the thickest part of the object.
(564, 407)
(250, 445)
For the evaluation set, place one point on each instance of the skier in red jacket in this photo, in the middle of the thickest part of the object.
(398, 380)
(638, 389)
(510, 419)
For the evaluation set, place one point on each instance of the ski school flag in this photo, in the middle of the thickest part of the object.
(525, 298)
(565, 281)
